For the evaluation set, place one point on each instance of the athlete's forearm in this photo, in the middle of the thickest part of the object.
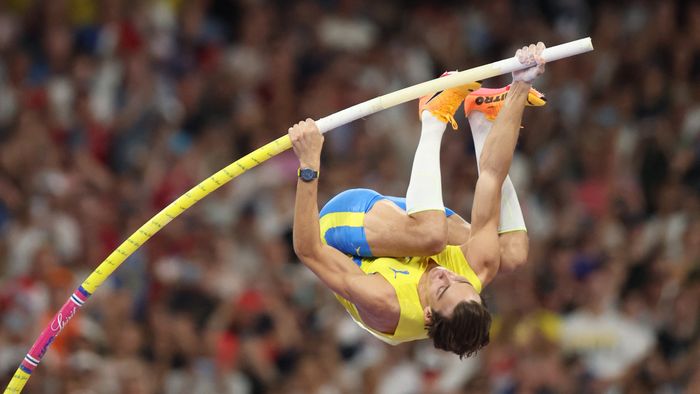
(332, 267)
(500, 143)
(306, 232)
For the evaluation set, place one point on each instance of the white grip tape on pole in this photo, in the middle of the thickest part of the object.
(460, 78)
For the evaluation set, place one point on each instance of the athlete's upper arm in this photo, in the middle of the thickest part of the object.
(371, 293)
(336, 270)
(487, 203)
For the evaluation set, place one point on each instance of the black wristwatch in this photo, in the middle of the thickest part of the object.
(307, 174)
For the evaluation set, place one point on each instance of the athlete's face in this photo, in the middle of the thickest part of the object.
(447, 289)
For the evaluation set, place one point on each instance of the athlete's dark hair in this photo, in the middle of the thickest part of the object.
(465, 332)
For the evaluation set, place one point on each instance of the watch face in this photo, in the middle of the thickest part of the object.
(307, 174)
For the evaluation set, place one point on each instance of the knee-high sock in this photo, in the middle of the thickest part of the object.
(425, 187)
(511, 214)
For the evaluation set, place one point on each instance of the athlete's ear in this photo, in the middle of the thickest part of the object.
(427, 315)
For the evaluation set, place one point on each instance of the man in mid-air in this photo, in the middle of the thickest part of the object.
(435, 291)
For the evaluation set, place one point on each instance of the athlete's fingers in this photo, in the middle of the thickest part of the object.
(533, 49)
(306, 139)
(293, 133)
(540, 48)
(310, 133)
(310, 126)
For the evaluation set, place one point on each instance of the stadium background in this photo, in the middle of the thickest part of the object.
(111, 109)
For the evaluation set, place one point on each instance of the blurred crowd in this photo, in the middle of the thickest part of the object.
(109, 110)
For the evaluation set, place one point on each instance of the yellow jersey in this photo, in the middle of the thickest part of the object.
(403, 274)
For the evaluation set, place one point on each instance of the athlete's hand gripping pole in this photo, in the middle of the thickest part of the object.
(184, 202)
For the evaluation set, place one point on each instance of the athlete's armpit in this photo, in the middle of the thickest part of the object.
(376, 302)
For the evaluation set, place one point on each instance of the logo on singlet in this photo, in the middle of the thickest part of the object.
(398, 272)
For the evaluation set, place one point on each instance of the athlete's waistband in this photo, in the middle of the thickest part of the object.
(362, 200)
(352, 200)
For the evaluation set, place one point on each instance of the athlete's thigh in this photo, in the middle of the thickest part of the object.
(388, 229)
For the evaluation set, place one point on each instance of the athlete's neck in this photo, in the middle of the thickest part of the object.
(423, 284)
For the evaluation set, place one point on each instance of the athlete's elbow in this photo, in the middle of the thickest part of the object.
(302, 251)
(511, 264)
(491, 170)
(305, 250)
(514, 253)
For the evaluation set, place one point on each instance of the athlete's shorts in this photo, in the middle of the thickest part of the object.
(342, 220)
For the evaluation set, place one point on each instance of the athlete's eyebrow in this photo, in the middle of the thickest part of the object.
(465, 281)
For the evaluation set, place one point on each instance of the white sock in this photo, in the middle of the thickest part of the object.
(511, 215)
(425, 187)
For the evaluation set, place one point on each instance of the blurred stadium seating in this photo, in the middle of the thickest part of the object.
(111, 109)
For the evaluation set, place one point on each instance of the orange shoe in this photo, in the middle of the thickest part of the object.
(490, 101)
(444, 103)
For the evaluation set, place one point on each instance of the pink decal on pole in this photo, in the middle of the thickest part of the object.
(59, 321)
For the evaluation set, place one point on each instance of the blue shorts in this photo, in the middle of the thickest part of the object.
(342, 220)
